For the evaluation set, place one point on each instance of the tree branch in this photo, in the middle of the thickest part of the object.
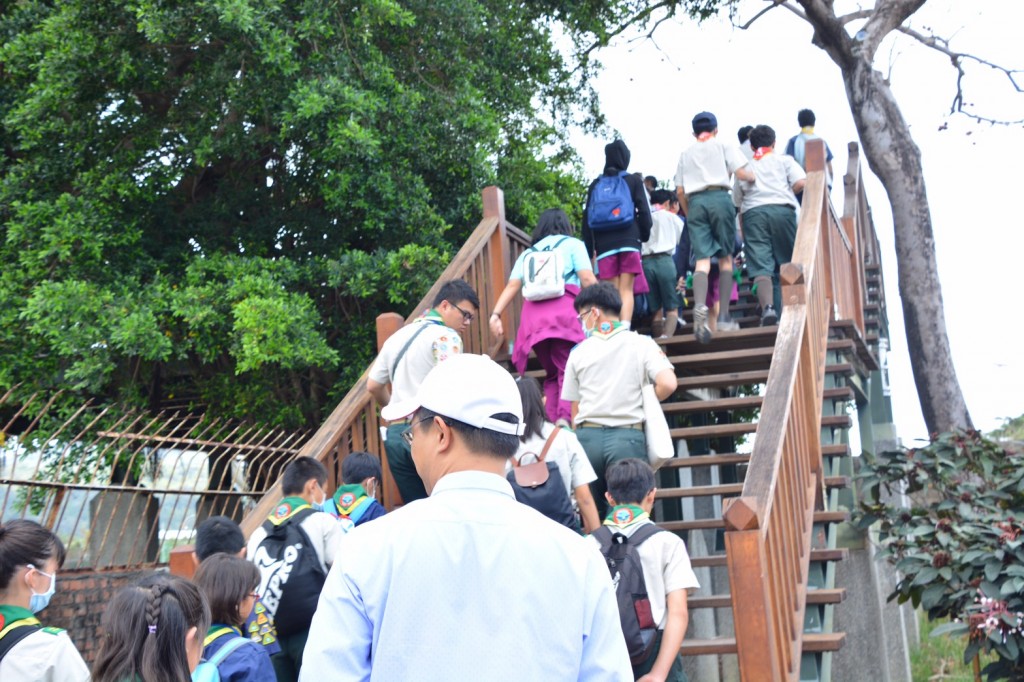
(854, 16)
(887, 16)
(631, 21)
(957, 59)
(769, 8)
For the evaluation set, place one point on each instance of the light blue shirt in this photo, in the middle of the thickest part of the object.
(574, 257)
(467, 584)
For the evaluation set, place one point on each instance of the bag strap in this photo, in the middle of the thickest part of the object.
(226, 650)
(543, 453)
(548, 442)
(16, 632)
(643, 532)
(401, 353)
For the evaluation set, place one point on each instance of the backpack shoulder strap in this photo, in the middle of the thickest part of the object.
(296, 521)
(14, 633)
(603, 535)
(643, 532)
(226, 650)
(401, 353)
(548, 442)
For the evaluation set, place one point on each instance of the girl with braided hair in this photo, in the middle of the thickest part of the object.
(153, 632)
(30, 555)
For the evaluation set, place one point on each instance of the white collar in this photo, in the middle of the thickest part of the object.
(478, 480)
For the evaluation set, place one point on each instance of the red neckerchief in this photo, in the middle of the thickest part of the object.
(761, 152)
(704, 137)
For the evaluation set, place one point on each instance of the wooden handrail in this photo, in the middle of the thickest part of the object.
(354, 424)
(768, 528)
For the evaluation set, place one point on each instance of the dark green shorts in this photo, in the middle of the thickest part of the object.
(660, 271)
(769, 233)
(711, 220)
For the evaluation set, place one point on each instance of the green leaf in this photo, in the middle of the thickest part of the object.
(950, 629)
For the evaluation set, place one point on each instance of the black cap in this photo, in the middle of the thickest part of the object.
(704, 122)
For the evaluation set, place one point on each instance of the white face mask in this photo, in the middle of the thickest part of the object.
(371, 490)
(39, 601)
(583, 324)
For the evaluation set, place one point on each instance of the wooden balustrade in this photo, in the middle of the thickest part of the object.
(768, 528)
(354, 424)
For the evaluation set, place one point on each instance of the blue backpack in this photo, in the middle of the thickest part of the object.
(611, 203)
(207, 670)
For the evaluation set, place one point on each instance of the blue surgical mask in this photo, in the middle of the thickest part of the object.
(38, 602)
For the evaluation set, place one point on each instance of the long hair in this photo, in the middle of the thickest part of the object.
(533, 407)
(144, 629)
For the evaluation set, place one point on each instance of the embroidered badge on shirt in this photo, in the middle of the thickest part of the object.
(624, 516)
(283, 510)
(347, 499)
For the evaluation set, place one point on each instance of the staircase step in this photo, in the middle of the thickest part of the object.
(841, 393)
(718, 405)
(737, 360)
(724, 601)
(816, 555)
(839, 450)
(750, 337)
(715, 430)
(723, 380)
(813, 642)
(711, 524)
(731, 489)
(706, 460)
(838, 421)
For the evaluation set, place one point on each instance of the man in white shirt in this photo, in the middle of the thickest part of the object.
(768, 217)
(462, 584)
(404, 361)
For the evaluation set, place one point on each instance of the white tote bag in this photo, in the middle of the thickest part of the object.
(660, 447)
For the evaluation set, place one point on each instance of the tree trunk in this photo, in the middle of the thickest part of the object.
(896, 160)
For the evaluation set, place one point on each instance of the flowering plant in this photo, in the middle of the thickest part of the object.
(949, 516)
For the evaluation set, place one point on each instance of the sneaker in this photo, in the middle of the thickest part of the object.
(727, 324)
(700, 324)
(769, 317)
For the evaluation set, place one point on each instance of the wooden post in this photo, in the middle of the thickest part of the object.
(182, 561)
(387, 325)
(499, 265)
(756, 639)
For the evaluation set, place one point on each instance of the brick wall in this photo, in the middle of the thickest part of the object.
(80, 601)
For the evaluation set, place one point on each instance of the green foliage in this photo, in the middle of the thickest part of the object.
(958, 546)
(215, 199)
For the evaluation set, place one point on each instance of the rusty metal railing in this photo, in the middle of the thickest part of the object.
(122, 487)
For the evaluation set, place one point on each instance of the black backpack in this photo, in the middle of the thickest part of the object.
(291, 576)
(540, 485)
(620, 552)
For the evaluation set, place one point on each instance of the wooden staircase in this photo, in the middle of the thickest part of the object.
(759, 419)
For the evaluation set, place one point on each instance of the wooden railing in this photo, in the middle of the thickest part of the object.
(485, 262)
(768, 528)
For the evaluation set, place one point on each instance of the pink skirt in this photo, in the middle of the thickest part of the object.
(554, 318)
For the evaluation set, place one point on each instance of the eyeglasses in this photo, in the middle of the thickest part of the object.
(579, 318)
(407, 434)
(254, 594)
(468, 317)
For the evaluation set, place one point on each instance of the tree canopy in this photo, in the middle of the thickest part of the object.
(212, 200)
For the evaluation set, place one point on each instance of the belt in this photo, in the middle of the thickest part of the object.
(591, 425)
(712, 188)
(657, 255)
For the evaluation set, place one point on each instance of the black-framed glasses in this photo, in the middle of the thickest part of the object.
(468, 317)
(407, 433)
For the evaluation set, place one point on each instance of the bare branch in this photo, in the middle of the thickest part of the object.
(887, 16)
(769, 8)
(854, 16)
(638, 18)
(957, 59)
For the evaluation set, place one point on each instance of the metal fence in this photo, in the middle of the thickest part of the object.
(122, 487)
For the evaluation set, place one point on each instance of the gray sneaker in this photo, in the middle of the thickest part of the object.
(769, 317)
(727, 324)
(700, 324)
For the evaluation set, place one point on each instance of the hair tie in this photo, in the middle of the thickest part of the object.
(152, 629)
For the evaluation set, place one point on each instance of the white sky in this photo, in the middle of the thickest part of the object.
(769, 72)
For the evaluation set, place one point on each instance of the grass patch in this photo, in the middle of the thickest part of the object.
(939, 659)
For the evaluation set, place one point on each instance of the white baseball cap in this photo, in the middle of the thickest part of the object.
(468, 388)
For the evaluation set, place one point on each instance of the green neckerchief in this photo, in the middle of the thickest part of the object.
(433, 317)
(10, 614)
(358, 495)
(624, 515)
(218, 630)
(616, 328)
(286, 508)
